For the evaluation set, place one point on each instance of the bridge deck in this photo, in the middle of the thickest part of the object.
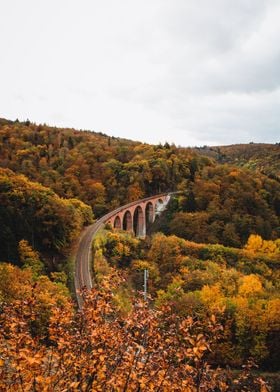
(83, 277)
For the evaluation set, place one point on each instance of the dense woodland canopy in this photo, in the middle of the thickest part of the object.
(102, 171)
(213, 269)
(31, 211)
(263, 158)
(240, 286)
(220, 204)
(99, 349)
(225, 205)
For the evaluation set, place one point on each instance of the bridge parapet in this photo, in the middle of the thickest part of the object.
(132, 217)
(136, 216)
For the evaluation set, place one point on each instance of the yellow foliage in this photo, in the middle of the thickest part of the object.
(256, 244)
(213, 297)
(249, 285)
(272, 316)
(269, 247)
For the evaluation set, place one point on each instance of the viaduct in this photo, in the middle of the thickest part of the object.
(134, 217)
(137, 216)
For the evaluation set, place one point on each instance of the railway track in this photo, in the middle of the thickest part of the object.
(83, 278)
(83, 259)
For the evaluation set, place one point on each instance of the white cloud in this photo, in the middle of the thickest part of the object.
(192, 72)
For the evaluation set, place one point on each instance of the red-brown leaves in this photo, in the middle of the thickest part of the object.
(97, 349)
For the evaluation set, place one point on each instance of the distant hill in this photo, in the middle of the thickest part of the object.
(261, 157)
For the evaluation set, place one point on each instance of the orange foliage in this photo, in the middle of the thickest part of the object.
(98, 350)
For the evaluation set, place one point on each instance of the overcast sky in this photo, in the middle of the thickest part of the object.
(192, 72)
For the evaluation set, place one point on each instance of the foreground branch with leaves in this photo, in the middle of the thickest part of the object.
(97, 349)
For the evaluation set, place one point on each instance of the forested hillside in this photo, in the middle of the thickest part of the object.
(213, 261)
(264, 158)
(102, 171)
(239, 286)
(31, 211)
(220, 203)
(225, 204)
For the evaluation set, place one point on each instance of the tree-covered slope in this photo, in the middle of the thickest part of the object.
(225, 204)
(217, 272)
(33, 212)
(102, 171)
(220, 203)
(260, 157)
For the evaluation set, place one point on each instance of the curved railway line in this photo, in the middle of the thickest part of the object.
(83, 278)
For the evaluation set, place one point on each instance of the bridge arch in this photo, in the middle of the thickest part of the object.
(127, 221)
(139, 222)
(133, 214)
(117, 222)
(134, 219)
(149, 213)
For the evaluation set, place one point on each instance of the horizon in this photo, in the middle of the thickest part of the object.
(139, 141)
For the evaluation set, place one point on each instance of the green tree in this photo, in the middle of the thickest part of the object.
(30, 258)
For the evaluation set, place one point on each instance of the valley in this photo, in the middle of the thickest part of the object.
(78, 215)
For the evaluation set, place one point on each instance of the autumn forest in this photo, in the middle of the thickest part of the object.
(211, 321)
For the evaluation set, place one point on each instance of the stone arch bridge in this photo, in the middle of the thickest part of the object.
(137, 216)
(134, 217)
